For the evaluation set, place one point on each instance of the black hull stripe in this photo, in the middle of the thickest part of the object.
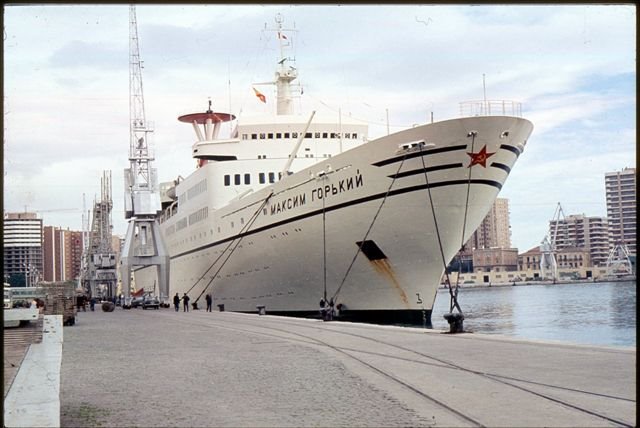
(340, 206)
(511, 149)
(501, 166)
(404, 317)
(422, 170)
(418, 154)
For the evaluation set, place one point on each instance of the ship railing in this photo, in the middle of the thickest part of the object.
(490, 108)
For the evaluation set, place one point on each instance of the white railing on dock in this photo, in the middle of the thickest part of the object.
(490, 108)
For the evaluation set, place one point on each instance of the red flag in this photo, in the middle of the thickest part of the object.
(260, 95)
(138, 293)
(282, 36)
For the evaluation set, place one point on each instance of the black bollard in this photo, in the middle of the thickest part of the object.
(455, 322)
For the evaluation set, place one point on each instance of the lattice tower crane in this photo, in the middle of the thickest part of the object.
(143, 244)
(548, 247)
(99, 276)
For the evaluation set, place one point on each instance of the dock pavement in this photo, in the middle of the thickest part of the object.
(161, 368)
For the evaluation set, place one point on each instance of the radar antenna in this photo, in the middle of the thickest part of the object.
(143, 244)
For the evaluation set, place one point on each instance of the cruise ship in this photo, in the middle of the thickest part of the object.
(294, 210)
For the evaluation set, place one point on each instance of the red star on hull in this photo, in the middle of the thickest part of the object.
(480, 158)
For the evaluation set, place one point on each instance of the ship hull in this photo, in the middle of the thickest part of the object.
(372, 228)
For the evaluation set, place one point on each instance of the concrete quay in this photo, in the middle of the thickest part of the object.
(33, 357)
(164, 368)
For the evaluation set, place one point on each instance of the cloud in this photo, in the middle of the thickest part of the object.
(97, 56)
(66, 86)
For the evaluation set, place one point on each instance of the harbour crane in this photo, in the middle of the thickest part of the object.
(548, 247)
(98, 275)
(619, 262)
(143, 244)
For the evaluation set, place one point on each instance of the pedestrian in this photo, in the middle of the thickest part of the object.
(209, 300)
(176, 302)
(92, 303)
(185, 302)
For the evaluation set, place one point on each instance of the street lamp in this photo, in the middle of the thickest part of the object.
(26, 274)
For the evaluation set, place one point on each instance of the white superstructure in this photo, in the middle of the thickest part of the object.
(367, 224)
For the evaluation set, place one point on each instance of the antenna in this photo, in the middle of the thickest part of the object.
(484, 90)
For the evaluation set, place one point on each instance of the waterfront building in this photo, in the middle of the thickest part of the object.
(22, 248)
(495, 259)
(620, 189)
(588, 233)
(62, 254)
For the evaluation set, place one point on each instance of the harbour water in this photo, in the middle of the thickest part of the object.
(601, 313)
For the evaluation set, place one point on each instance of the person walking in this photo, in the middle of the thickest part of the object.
(176, 302)
(185, 302)
(209, 300)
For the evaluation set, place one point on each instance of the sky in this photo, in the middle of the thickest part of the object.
(66, 89)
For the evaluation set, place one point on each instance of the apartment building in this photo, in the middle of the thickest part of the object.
(22, 247)
(62, 254)
(620, 187)
(589, 233)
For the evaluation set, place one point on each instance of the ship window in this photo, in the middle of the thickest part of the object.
(244, 136)
(262, 135)
(247, 179)
(318, 135)
(272, 177)
(347, 135)
(307, 135)
(227, 180)
(334, 135)
(286, 135)
(279, 176)
(236, 179)
(254, 136)
(354, 136)
(278, 135)
(270, 135)
(325, 135)
(261, 178)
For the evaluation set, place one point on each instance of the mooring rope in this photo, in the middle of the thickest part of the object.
(454, 300)
(335, 295)
(234, 240)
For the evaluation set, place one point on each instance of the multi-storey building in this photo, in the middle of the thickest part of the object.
(589, 233)
(569, 259)
(495, 229)
(495, 259)
(620, 189)
(62, 254)
(22, 245)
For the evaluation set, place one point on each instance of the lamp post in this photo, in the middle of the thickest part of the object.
(26, 274)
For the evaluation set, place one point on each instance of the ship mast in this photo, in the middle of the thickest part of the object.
(143, 245)
(285, 74)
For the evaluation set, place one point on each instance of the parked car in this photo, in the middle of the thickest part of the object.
(150, 302)
(137, 301)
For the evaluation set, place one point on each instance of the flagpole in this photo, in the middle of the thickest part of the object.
(387, 110)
